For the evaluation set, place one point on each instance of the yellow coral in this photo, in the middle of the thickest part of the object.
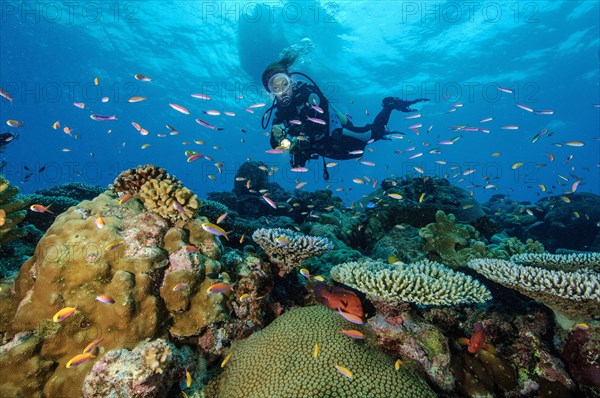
(279, 361)
(169, 200)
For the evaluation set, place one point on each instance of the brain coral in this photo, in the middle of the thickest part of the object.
(278, 362)
(568, 284)
(424, 282)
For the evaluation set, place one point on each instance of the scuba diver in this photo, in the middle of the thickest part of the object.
(310, 127)
(5, 139)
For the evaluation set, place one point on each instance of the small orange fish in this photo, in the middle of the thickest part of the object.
(2, 217)
(179, 286)
(63, 314)
(352, 333)
(79, 359)
(99, 222)
(56, 125)
(90, 347)
(40, 209)
(316, 350)
(125, 198)
(219, 287)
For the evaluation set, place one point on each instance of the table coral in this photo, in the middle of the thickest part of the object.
(13, 212)
(424, 282)
(288, 249)
(279, 361)
(567, 284)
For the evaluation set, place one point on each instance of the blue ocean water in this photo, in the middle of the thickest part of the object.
(456, 54)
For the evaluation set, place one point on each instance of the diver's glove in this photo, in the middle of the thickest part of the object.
(279, 131)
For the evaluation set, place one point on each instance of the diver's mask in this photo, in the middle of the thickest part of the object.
(280, 85)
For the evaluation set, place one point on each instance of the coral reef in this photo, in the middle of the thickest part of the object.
(567, 284)
(12, 212)
(149, 370)
(402, 242)
(438, 194)
(552, 219)
(288, 249)
(581, 352)
(280, 361)
(424, 282)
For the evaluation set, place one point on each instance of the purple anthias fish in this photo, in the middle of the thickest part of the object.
(102, 118)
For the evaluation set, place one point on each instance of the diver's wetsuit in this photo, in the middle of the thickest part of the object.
(329, 139)
(5, 139)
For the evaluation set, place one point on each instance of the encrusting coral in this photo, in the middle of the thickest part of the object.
(288, 249)
(12, 212)
(282, 361)
(149, 370)
(567, 284)
(423, 282)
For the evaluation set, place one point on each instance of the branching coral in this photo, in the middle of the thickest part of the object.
(169, 200)
(279, 361)
(424, 282)
(288, 249)
(160, 192)
(568, 284)
(12, 212)
(131, 181)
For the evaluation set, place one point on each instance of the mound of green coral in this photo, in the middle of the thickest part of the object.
(280, 361)
(12, 212)
(424, 282)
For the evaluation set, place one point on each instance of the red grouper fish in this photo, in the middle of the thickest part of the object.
(477, 341)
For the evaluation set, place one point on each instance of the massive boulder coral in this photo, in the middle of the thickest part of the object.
(136, 259)
(12, 212)
(424, 282)
(282, 361)
(567, 284)
(288, 249)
